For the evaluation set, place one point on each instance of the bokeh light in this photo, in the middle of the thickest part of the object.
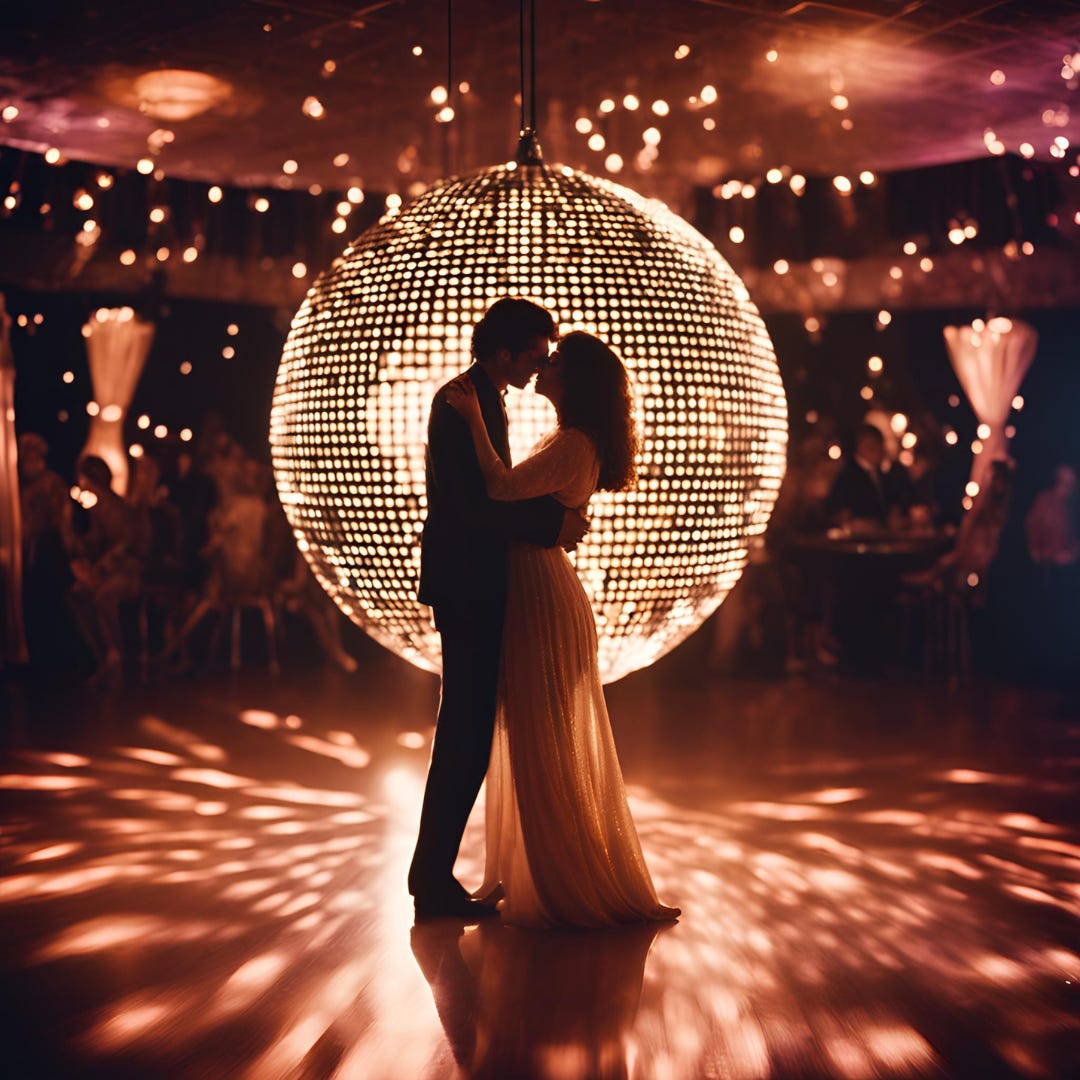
(390, 322)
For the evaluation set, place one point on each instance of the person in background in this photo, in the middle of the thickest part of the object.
(1052, 522)
(1053, 540)
(107, 563)
(858, 498)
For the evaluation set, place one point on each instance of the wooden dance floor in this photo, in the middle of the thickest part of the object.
(206, 878)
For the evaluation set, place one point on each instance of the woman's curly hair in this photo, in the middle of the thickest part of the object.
(597, 400)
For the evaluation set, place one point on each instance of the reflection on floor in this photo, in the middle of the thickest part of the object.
(206, 879)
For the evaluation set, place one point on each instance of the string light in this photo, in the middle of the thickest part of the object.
(349, 414)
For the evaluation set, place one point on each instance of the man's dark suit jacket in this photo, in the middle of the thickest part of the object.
(855, 492)
(466, 538)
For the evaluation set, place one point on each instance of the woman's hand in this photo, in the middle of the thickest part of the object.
(461, 397)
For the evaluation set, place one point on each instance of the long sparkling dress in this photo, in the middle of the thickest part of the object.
(560, 837)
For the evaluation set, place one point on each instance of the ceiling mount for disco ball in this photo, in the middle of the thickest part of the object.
(390, 321)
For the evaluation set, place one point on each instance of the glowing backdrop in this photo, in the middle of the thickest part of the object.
(390, 321)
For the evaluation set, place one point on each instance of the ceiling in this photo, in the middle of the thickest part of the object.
(918, 79)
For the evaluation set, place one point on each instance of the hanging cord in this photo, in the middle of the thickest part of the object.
(528, 147)
(521, 60)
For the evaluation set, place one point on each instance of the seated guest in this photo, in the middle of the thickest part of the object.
(107, 565)
(859, 497)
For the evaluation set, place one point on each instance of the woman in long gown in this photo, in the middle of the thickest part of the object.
(560, 837)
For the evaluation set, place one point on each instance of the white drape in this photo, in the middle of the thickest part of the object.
(117, 344)
(12, 638)
(991, 361)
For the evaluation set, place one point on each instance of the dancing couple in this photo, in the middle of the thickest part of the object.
(521, 697)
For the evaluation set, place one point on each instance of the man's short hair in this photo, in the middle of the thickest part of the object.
(869, 431)
(512, 324)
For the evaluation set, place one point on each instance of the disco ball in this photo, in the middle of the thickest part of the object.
(390, 321)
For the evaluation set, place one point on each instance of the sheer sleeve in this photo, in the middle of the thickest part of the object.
(567, 461)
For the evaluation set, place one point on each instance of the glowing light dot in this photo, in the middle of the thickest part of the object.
(157, 215)
(418, 50)
(976, 447)
(952, 438)
(607, 105)
(708, 94)
(52, 156)
(1027, 247)
(835, 452)
(866, 393)
(772, 56)
(444, 115)
(926, 264)
(161, 431)
(9, 113)
(631, 102)
(748, 191)
(967, 502)
(393, 201)
(812, 324)
(972, 578)
(898, 422)
(613, 163)
(92, 408)
(839, 102)
(875, 364)
(774, 176)
(583, 125)
(191, 253)
(185, 368)
(111, 413)
(339, 225)
(127, 258)
(83, 200)
(10, 202)
(997, 77)
(983, 431)
(162, 254)
(143, 422)
(709, 124)
(299, 270)
(736, 234)
(313, 107)
(896, 272)
(867, 178)
(232, 329)
(144, 166)
(228, 352)
(842, 184)
(261, 204)
(830, 279)
(651, 136)
(1018, 402)
(682, 52)
(910, 247)
(797, 183)
(135, 450)
(439, 95)
(884, 318)
(215, 194)
(596, 141)
(1027, 150)
(186, 434)
(908, 439)
(781, 266)
(971, 488)
(660, 107)
(289, 167)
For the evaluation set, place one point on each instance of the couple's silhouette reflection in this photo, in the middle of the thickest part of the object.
(523, 1003)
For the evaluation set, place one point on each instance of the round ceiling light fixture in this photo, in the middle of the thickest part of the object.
(390, 321)
(177, 94)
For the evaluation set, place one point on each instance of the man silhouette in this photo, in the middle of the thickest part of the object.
(463, 568)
